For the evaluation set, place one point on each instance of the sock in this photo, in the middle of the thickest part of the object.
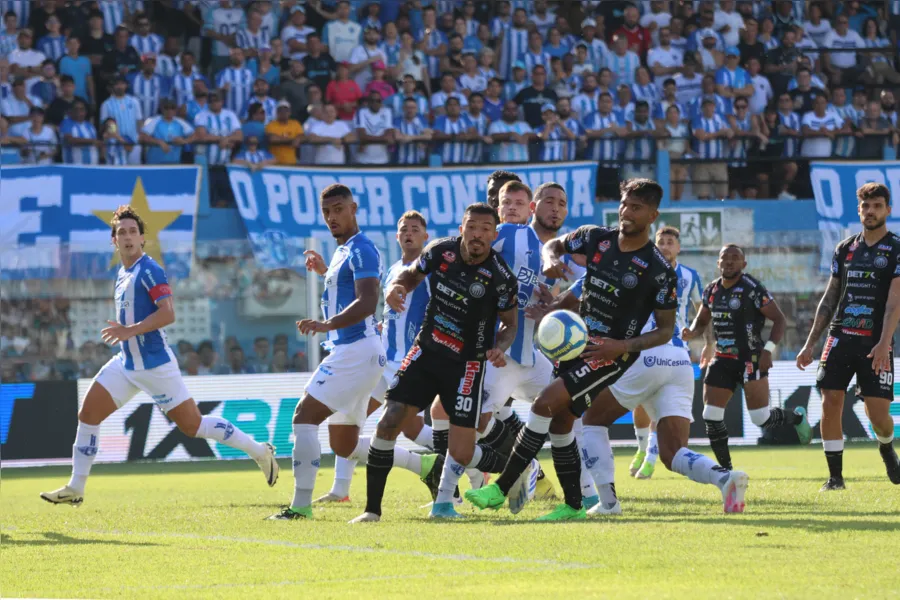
(224, 432)
(84, 451)
(528, 443)
(567, 462)
(489, 460)
(652, 448)
(343, 474)
(476, 477)
(306, 456)
(599, 462)
(587, 482)
(834, 455)
(379, 463)
(699, 468)
(506, 412)
(714, 417)
(642, 434)
(512, 421)
(425, 437)
(494, 433)
(885, 441)
(450, 478)
(410, 461)
(770, 417)
(440, 433)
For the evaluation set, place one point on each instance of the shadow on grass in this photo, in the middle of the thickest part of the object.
(56, 539)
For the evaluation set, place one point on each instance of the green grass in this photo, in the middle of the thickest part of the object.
(197, 531)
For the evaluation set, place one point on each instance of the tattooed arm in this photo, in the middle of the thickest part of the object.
(827, 306)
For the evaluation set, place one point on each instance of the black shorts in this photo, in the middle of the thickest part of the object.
(584, 380)
(741, 177)
(459, 385)
(728, 373)
(842, 359)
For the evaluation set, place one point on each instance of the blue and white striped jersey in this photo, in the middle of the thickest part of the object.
(439, 99)
(240, 82)
(688, 288)
(598, 53)
(138, 290)
(399, 330)
(435, 39)
(648, 93)
(641, 148)
(623, 67)
(357, 258)
(734, 79)
(515, 42)
(532, 60)
(475, 150)
(607, 147)
(146, 44)
(570, 150)
(126, 111)
(511, 89)
(21, 8)
(395, 103)
(222, 124)
(114, 12)
(453, 152)
(269, 104)
(53, 47)
(695, 106)
(623, 113)
(499, 26)
(79, 155)
(660, 108)
(246, 39)
(791, 143)
(116, 152)
(521, 249)
(226, 21)
(845, 145)
(8, 43)
(411, 153)
(737, 148)
(710, 148)
(553, 148)
(254, 158)
(511, 151)
(585, 103)
(686, 90)
(149, 92)
(182, 87)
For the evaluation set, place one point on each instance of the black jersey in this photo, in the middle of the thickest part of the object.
(621, 289)
(461, 316)
(865, 273)
(737, 319)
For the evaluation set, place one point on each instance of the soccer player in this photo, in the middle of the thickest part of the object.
(738, 306)
(342, 383)
(495, 181)
(860, 308)
(471, 287)
(688, 288)
(398, 331)
(627, 279)
(144, 305)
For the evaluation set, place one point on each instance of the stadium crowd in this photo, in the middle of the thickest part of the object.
(288, 82)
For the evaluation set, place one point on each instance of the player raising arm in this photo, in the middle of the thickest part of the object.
(860, 308)
(144, 363)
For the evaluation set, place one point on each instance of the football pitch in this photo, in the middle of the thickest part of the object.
(196, 530)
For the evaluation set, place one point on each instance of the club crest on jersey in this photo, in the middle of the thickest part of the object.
(854, 245)
(630, 280)
(881, 262)
(639, 262)
(734, 303)
(449, 256)
(477, 290)
(603, 246)
(485, 272)
(473, 367)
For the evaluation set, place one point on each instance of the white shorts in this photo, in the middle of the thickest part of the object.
(380, 389)
(164, 384)
(344, 380)
(662, 381)
(516, 381)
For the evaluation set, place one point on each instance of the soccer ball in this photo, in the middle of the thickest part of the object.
(562, 335)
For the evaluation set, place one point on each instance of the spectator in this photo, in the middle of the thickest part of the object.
(804, 95)
(222, 23)
(167, 61)
(330, 134)
(284, 135)
(448, 90)
(453, 129)
(637, 37)
(122, 59)
(665, 59)
(208, 358)
(452, 62)
(732, 80)
(143, 40)
(60, 106)
(624, 107)
(678, 41)
(542, 18)
(710, 52)
(40, 140)
(604, 82)
(479, 122)
(603, 129)
(236, 83)
(518, 83)
(217, 131)
(553, 135)
(408, 92)
(856, 13)
(318, 64)
(784, 19)
(747, 131)
(688, 83)
(502, 18)
(708, 90)
(128, 114)
(555, 47)
(344, 93)
(750, 46)
(295, 34)
(875, 132)
(622, 61)
(816, 27)
(374, 130)
(237, 364)
(294, 88)
(9, 37)
(253, 36)
(182, 82)
(535, 96)
(656, 20)
(342, 35)
(165, 136)
(199, 103)
(845, 146)
(535, 54)
(675, 132)
(705, 36)
(568, 118)
(819, 129)
(728, 23)
(260, 362)
(252, 156)
(808, 47)
(762, 89)
(661, 108)
(512, 43)
(643, 88)
(788, 127)
(585, 102)
(878, 65)
(411, 133)
(709, 129)
(261, 96)
(365, 55)
(117, 148)
(510, 136)
(493, 102)
(148, 86)
(841, 67)
(266, 67)
(279, 362)
(889, 106)
(24, 60)
(17, 107)
(46, 87)
(255, 125)
(79, 137)
(96, 43)
(191, 363)
(640, 144)
(472, 79)
(78, 68)
(582, 64)
(53, 43)
(411, 61)
(378, 83)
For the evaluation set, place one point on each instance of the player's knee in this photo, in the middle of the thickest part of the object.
(189, 428)
(832, 404)
(462, 455)
(343, 448)
(88, 417)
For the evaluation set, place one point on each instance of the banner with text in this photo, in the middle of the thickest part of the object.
(54, 220)
(834, 186)
(280, 206)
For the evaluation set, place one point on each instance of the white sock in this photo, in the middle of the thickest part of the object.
(405, 459)
(642, 434)
(425, 438)
(476, 478)
(505, 412)
(343, 473)
(538, 424)
(699, 468)
(758, 416)
(587, 482)
(833, 445)
(599, 462)
(884, 440)
(306, 456)
(84, 451)
(224, 432)
(451, 474)
(440, 424)
(652, 449)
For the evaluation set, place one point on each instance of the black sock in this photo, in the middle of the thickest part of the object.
(718, 440)
(567, 463)
(491, 460)
(514, 423)
(779, 416)
(835, 460)
(495, 436)
(441, 441)
(887, 452)
(528, 444)
(379, 465)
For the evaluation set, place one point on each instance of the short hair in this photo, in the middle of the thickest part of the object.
(548, 185)
(873, 190)
(727, 247)
(669, 81)
(641, 104)
(668, 230)
(125, 212)
(413, 215)
(66, 78)
(515, 186)
(475, 94)
(335, 190)
(646, 190)
(452, 99)
(204, 345)
(261, 338)
(503, 176)
(480, 208)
